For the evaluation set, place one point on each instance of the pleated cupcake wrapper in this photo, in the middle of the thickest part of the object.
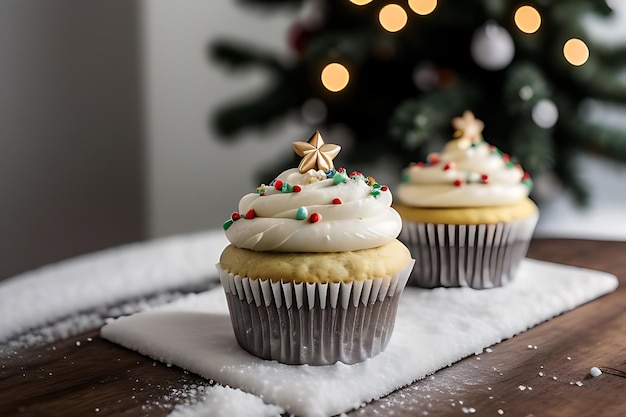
(477, 256)
(312, 323)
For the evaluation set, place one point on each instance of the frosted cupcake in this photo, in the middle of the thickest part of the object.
(314, 271)
(467, 218)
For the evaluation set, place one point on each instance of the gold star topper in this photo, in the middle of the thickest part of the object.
(468, 128)
(316, 153)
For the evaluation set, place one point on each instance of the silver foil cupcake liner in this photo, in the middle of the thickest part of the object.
(314, 324)
(476, 256)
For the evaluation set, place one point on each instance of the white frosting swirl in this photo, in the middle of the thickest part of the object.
(363, 219)
(465, 174)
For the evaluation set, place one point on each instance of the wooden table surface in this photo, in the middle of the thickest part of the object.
(97, 378)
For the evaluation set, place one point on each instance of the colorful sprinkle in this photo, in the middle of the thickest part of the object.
(458, 183)
(340, 177)
(484, 178)
(296, 188)
(235, 216)
(286, 188)
(302, 213)
(260, 189)
(227, 224)
(315, 217)
(526, 176)
(331, 173)
(356, 174)
(433, 158)
(506, 157)
(337, 201)
(384, 188)
(449, 166)
(341, 170)
(375, 193)
(376, 186)
(250, 214)
(278, 184)
(405, 178)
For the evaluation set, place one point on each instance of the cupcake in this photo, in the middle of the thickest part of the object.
(466, 215)
(314, 271)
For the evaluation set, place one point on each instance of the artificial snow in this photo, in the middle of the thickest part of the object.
(434, 329)
(57, 291)
(219, 401)
(595, 371)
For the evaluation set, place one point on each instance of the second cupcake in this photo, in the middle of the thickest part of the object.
(314, 272)
(467, 218)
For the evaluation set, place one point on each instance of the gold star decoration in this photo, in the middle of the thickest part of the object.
(468, 128)
(316, 153)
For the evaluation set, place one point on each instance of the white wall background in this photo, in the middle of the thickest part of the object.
(194, 180)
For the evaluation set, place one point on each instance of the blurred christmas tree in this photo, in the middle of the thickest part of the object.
(396, 74)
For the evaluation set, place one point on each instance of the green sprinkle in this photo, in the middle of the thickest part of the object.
(405, 178)
(227, 224)
(510, 164)
(302, 213)
(376, 186)
(339, 178)
(286, 188)
(375, 193)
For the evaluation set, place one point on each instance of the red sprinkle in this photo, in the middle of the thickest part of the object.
(420, 164)
(485, 178)
(296, 188)
(384, 188)
(278, 184)
(235, 216)
(354, 173)
(525, 176)
(506, 157)
(458, 183)
(315, 217)
(250, 214)
(341, 170)
(433, 158)
(448, 166)
(337, 201)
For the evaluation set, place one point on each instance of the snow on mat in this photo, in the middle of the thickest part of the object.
(434, 329)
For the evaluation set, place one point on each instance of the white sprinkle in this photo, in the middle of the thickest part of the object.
(569, 358)
(468, 410)
(580, 384)
(77, 343)
(530, 346)
(522, 387)
(169, 365)
(89, 339)
(97, 409)
(540, 374)
(488, 350)
(500, 411)
(554, 377)
(594, 372)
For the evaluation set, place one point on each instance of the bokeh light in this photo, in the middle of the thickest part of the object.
(576, 52)
(527, 19)
(423, 7)
(335, 77)
(392, 17)
(361, 2)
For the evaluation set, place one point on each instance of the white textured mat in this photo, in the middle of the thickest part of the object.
(434, 328)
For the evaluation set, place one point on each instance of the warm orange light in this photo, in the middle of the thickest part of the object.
(423, 7)
(527, 19)
(576, 52)
(335, 77)
(361, 2)
(392, 17)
